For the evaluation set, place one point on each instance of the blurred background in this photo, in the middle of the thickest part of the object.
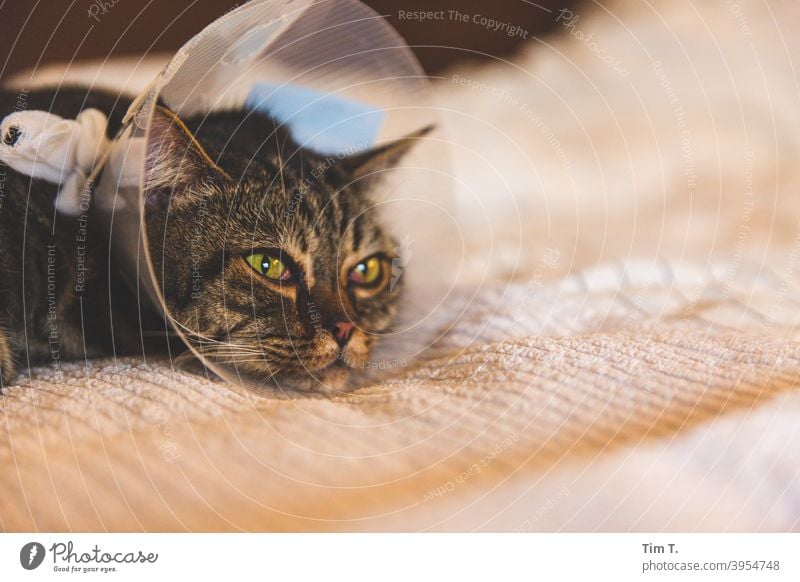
(36, 33)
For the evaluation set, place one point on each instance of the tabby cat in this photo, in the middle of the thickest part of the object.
(271, 258)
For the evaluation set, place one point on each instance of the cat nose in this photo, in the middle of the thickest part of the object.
(341, 330)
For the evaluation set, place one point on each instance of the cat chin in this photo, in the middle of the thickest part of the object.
(328, 370)
(332, 373)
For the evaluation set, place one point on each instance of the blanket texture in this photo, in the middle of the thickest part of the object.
(620, 356)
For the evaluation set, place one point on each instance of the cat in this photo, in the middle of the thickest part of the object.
(54, 283)
(272, 259)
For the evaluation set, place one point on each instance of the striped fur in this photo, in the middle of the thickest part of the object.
(222, 186)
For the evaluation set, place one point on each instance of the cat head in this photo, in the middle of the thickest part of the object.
(272, 259)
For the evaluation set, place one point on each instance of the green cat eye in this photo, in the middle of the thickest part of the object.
(367, 272)
(270, 266)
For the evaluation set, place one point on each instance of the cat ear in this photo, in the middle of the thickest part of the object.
(373, 161)
(177, 168)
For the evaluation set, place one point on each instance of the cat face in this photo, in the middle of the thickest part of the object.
(271, 259)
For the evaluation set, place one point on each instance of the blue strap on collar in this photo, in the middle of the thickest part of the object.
(323, 122)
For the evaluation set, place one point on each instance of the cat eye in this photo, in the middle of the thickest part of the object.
(368, 272)
(270, 266)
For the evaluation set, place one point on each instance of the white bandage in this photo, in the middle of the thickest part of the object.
(63, 151)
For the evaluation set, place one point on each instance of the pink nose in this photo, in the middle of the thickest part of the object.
(342, 330)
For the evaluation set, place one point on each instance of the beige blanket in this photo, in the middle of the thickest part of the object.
(628, 362)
